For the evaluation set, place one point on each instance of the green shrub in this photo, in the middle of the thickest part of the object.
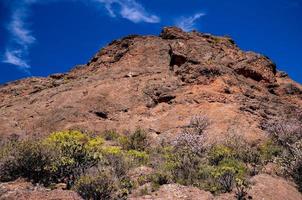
(206, 178)
(185, 158)
(60, 157)
(6, 147)
(28, 159)
(135, 141)
(138, 157)
(124, 142)
(75, 155)
(293, 163)
(114, 158)
(249, 155)
(111, 135)
(242, 186)
(112, 150)
(94, 144)
(100, 186)
(205, 171)
(125, 187)
(287, 133)
(180, 162)
(218, 153)
(227, 172)
(160, 178)
(269, 150)
(63, 157)
(242, 150)
(188, 162)
(186, 166)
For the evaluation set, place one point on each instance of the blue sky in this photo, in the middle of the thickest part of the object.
(41, 37)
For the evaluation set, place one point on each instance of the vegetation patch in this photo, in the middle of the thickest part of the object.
(98, 167)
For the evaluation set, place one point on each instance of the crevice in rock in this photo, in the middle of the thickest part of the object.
(101, 114)
(160, 99)
(177, 60)
(165, 99)
(249, 74)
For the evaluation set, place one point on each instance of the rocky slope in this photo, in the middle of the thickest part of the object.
(156, 83)
(261, 189)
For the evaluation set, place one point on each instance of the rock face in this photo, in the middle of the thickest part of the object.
(267, 187)
(157, 83)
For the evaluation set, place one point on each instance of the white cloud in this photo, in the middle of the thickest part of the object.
(14, 57)
(189, 23)
(20, 36)
(129, 9)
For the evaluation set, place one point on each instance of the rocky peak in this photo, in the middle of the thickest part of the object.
(191, 55)
(171, 33)
(155, 82)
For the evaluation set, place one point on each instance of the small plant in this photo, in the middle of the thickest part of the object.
(125, 185)
(190, 142)
(226, 179)
(94, 147)
(100, 186)
(111, 135)
(187, 154)
(114, 158)
(138, 157)
(160, 178)
(242, 150)
(135, 141)
(242, 187)
(198, 125)
(112, 150)
(227, 172)
(286, 131)
(144, 191)
(180, 162)
(288, 134)
(218, 153)
(269, 150)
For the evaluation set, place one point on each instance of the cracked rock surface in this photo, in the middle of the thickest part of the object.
(157, 83)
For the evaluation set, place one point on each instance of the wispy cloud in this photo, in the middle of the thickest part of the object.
(189, 23)
(15, 57)
(20, 36)
(129, 9)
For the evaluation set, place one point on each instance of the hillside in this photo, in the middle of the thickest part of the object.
(158, 84)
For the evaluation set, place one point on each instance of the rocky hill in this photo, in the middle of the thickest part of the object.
(158, 83)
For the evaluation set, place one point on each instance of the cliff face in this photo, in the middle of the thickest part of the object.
(158, 84)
